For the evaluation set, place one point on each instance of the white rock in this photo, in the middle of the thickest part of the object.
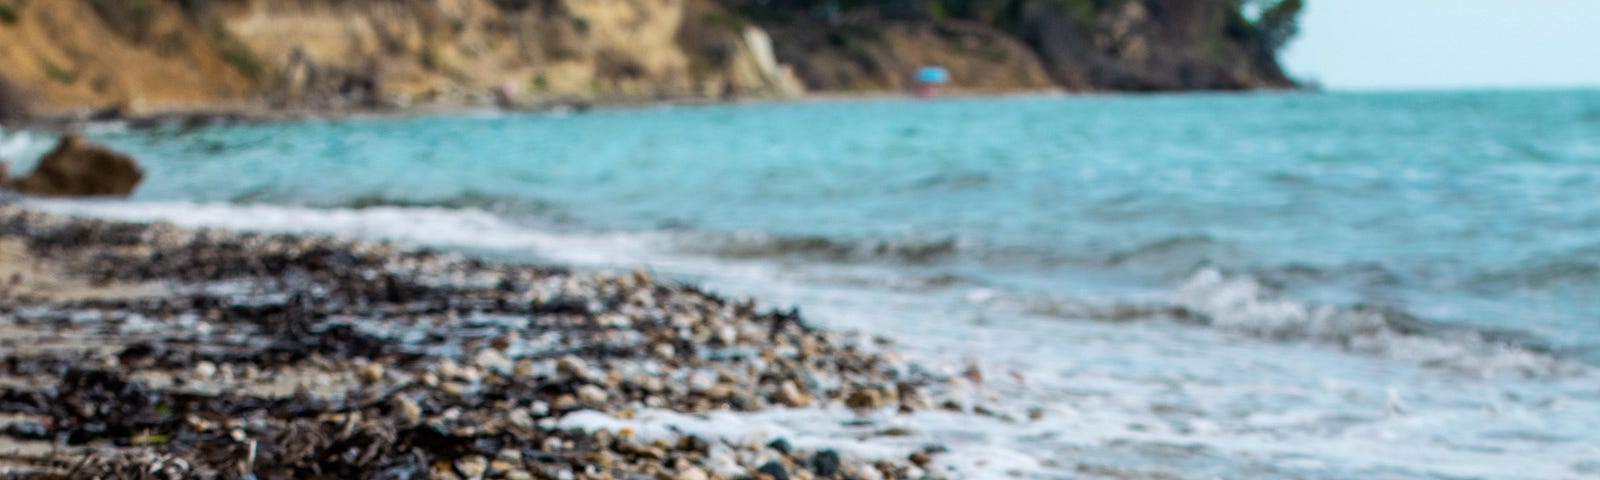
(665, 351)
(868, 472)
(691, 473)
(592, 394)
(472, 467)
(520, 418)
(572, 366)
(491, 359)
(205, 370)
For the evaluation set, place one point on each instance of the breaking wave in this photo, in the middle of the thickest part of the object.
(1242, 304)
(755, 245)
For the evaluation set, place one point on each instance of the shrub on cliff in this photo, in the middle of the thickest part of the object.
(8, 13)
(130, 18)
(1279, 23)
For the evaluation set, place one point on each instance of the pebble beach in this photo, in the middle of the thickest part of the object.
(150, 351)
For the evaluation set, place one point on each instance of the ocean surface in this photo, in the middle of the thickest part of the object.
(1373, 285)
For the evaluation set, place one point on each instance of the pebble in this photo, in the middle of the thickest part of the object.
(591, 394)
(696, 353)
(492, 360)
(781, 445)
(573, 366)
(864, 399)
(868, 472)
(520, 418)
(920, 459)
(691, 473)
(472, 468)
(370, 373)
(205, 370)
(720, 391)
(913, 398)
(789, 395)
(525, 368)
(408, 410)
(825, 463)
(450, 369)
(774, 470)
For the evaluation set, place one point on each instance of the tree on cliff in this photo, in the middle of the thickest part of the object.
(1279, 22)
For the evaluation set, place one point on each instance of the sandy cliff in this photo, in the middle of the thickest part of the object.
(140, 56)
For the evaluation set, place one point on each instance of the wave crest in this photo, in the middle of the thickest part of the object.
(1244, 305)
(911, 250)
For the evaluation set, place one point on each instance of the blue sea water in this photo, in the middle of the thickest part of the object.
(1373, 285)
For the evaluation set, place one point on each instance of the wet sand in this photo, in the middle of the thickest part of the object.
(149, 351)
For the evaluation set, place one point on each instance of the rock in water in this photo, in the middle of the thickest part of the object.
(78, 167)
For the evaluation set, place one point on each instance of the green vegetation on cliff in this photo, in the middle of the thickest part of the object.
(1137, 45)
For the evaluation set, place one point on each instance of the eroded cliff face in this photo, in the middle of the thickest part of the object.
(462, 51)
(152, 55)
(66, 53)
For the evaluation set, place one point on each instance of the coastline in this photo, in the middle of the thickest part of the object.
(255, 112)
(216, 353)
(251, 112)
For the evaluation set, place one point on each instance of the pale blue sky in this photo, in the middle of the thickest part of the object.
(1404, 44)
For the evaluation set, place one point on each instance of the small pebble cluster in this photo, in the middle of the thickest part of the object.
(275, 356)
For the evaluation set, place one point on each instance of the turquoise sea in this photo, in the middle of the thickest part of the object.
(1337, 285)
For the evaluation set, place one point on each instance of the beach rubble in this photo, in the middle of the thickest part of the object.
(150, 351)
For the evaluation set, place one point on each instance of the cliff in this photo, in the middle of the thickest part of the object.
(138, 56)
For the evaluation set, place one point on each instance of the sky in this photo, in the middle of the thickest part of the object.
(1433, 44)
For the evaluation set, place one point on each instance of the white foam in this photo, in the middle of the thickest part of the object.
(21, 148)
(427, 226)
(1242, 304)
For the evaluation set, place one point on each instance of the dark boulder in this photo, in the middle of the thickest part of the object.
(775, 470)
(78, 167)
(825, 463)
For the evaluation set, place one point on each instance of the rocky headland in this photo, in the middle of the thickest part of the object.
(139, 58)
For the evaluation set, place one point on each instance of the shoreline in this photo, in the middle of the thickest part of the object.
(255, 112)
(215, 353)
